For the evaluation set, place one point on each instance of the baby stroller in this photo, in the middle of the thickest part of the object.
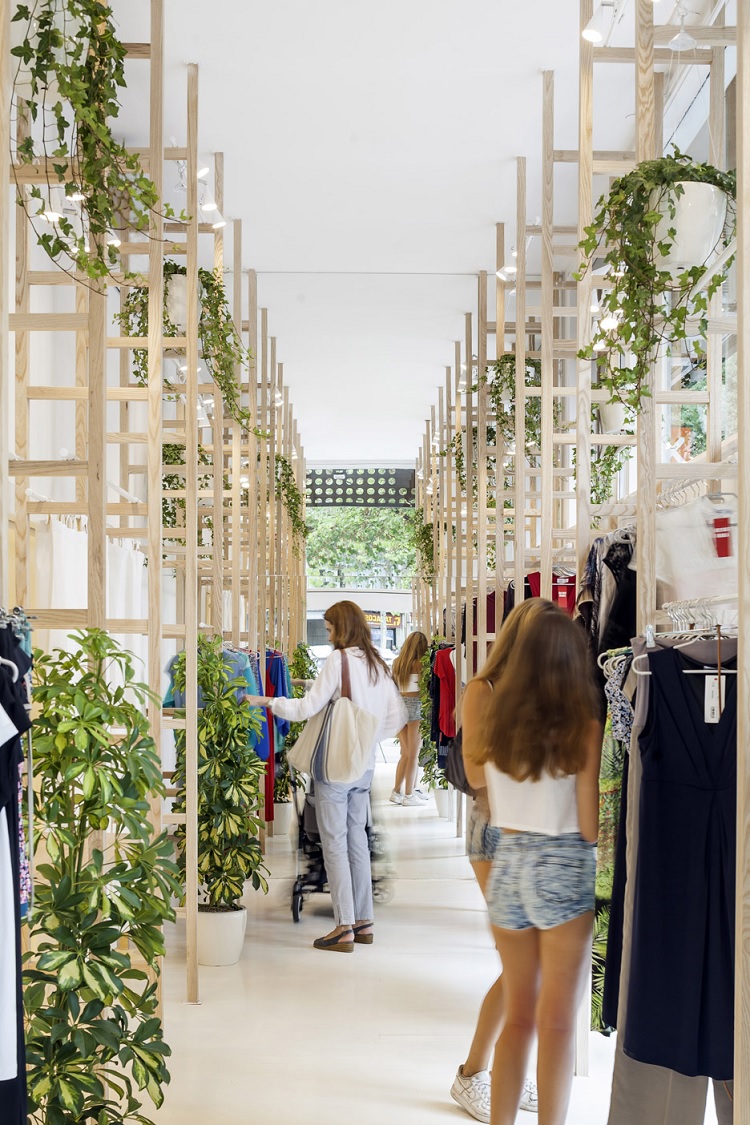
(310, 870)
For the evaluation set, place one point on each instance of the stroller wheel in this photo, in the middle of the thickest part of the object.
(382, 890)
(297, 904)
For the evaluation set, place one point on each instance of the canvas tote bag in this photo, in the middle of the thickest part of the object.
(336, 744)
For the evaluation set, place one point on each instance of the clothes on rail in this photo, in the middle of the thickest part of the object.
(15, 723)
(675, 1011)
(696, 549)
(278, 684)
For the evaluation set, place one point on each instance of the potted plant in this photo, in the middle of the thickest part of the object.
(69, 70)
(651, 300)
(433, 776)
(230, 780)
(93, 1031)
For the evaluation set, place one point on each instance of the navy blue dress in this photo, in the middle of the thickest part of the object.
(681, 992)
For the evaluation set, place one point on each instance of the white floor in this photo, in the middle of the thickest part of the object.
(291, 1035)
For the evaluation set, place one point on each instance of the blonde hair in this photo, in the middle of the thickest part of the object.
(414, 648)
(543, 700)
(349, 629)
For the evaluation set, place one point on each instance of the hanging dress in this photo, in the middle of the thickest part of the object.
(681, 993)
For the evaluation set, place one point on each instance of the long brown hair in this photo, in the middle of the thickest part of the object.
(543, 700)
(414, 648)
(349, 629)
(517, 619)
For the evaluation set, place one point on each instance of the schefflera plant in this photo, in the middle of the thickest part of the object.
(93, 1035)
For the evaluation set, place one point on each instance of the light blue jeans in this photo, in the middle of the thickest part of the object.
(342, 811)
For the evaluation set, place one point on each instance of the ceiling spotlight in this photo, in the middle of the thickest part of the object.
(76, 195)
(113, 239)
(609, 322)
(683, 40)
(207, 201)
(596, 28)
(53, 205)
(595, 306)
(218, 221)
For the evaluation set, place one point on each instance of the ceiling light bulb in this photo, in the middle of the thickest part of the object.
(218, 221)
(609, 322)
(76, 196)
(113, 239)
(53, 205)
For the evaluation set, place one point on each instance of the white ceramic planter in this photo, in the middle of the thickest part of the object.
(699, 220)
(221, 935)
(282, 817)
(612, 417)
(444, 802)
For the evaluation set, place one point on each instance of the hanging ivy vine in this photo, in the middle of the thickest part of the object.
(69, 72)
(221, 347)
(173, 454)
(287, 491)
(422, 538)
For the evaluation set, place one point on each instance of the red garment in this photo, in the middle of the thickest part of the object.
(564, 592)
(535, 583)
(446, 673)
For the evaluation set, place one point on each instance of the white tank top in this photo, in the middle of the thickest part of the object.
(547, 806)
(412, 684)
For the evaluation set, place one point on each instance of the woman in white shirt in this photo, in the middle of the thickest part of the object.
(406, 670)
(342, 808)
(535, 741)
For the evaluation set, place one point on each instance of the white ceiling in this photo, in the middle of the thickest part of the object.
(369, 151)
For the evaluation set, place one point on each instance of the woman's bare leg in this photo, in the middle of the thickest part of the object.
(492, 1011)
(411, 765)
(565, 956)
(519, 950)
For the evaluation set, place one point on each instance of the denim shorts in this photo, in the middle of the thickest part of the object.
(540, 881)
(413, 707)
(481, 836)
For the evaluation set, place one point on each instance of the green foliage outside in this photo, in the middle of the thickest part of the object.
(230, 780)
(93, 1034)
(432, 775)
(366, 548)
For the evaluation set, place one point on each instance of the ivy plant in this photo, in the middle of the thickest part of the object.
(230, 782)
(302, 666)
(221, 347)
(93, 1034)
(69, 71)
(424, 543)
(432, 775)
(287, 491)
(647, 304)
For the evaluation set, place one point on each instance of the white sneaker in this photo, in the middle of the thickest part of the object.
(396, 798)
(473, 1094)
(422, 796)
(412, 800)
(529, 1100)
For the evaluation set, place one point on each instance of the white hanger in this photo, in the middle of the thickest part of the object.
(702, 636)
(10, 664)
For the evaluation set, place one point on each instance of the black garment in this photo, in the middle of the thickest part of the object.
(681, 993)
(12, 697)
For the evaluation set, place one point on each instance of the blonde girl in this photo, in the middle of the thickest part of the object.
(406, 669)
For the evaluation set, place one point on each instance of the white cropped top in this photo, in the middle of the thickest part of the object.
(547, 806)
(412, 685)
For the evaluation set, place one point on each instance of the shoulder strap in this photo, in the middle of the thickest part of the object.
(346, 687)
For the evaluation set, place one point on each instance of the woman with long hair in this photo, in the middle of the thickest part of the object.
(471, 1087)
(406, 669)
(537, 748)
(342, 807)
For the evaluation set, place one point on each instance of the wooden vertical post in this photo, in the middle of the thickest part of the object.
(519, 460)
(742, 919)
(264, 499)
(217, 538)
(714, 343)
(469, 553)
(500, 450)
(253, 446)
(22, 529)
(584, 289)
(481, 474)
(647, 419)
(236, 430)
(548, 330)
(451, 505)
(5, 368)
(155, 383)
(97, 461)
(191, 545)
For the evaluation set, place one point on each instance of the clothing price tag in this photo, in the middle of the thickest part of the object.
(712, 708)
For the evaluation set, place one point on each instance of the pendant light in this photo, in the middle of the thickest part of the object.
(597, 27)
(683, 40)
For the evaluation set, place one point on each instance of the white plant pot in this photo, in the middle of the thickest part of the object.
(699, 220)
(221, 935)
(444, 802)
(282, 817)
(612, 417)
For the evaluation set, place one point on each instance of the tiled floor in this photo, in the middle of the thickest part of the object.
(290, 1035)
